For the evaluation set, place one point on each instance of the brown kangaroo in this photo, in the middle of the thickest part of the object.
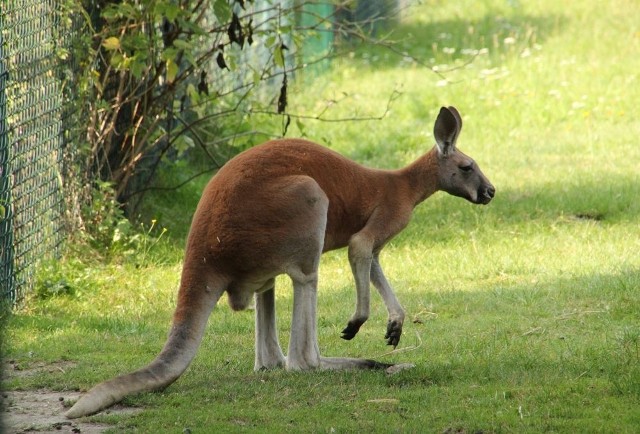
(274, 209)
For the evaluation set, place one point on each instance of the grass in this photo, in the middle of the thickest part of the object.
(522, 315)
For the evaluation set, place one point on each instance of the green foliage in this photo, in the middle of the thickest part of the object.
(161, 78)
(112, 235)
(106, 225)
(55, 280)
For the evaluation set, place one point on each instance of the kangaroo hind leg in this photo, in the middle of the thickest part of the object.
(268, 352)
(304, 352)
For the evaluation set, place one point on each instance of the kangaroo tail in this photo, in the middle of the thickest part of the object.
(189, 322)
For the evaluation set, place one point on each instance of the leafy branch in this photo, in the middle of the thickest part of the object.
(163, 77)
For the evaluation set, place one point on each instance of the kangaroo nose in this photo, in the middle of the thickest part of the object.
(487, 195)
(491, 191)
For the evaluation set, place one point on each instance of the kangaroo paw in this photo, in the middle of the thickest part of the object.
(394, 332)
(351, 330)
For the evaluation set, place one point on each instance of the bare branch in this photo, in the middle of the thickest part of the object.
(395, 94)
(209, 169)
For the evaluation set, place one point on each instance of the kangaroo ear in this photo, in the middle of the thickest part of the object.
(446, 130)
(455, 113)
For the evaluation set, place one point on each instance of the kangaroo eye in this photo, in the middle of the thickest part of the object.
(467, 168)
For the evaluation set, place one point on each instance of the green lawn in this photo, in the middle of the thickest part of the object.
(522, 316)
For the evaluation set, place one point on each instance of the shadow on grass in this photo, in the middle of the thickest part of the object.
(458, 39)
(612, 198)
(604, 201)
(566, 327)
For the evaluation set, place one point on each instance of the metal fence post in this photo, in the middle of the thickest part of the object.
(7, 283)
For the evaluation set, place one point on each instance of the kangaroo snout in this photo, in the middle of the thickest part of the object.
(486, 194)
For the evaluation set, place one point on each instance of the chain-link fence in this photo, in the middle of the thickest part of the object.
(33, 136)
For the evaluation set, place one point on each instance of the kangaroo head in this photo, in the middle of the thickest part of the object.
(458, 174)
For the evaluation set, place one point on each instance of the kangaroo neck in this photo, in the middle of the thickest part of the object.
(422, 176)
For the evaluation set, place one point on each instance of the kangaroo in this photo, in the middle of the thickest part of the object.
(274, 209)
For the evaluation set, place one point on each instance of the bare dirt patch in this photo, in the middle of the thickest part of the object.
(42, 411)
(19, 370)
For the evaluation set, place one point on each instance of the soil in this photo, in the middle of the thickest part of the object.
(42, 411)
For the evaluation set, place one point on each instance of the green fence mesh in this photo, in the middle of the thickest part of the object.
(32, 139)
